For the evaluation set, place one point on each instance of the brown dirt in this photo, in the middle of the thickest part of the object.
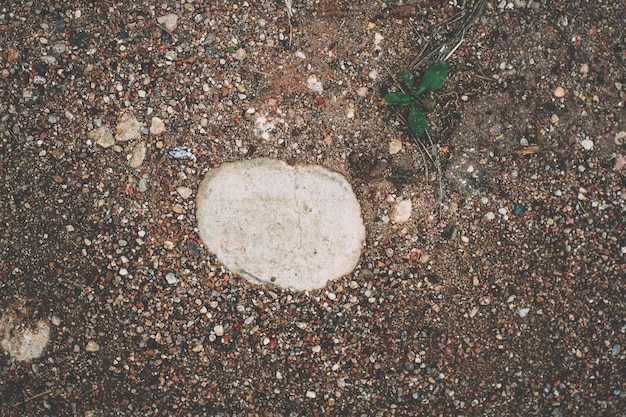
(430, 323)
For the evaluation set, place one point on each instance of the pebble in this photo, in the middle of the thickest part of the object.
(169, 22)
(519, 210)
(619, 138)
(559, 92)
(587, 144)
(313, 84)
(58, 48)
(55, 320)
(92, 346)
(402, 211)
(157, 126)
(102, 136)
(523, 312)
(395, 146)
(490, 215)
(143, 185)
(311, 394)
(184, 192)
(616, 350)
(218, 330)
(128, 128)
(171, 279)
(138, 155)
(240, 54)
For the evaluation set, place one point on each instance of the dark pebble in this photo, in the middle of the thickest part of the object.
(519, 210)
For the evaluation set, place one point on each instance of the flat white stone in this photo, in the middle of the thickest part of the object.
(23, 342)
(128, 128)
(402, 211)
(102, 136)
(295, 227)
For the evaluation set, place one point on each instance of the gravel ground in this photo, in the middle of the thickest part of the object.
(511, 302)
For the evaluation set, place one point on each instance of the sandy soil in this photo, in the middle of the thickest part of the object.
(509, 302)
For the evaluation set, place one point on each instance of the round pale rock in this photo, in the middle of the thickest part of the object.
(402, 211)
(23, 342)
(128, 128)
(138, 155)
(169, 21)
(272, 223)
(395, 146)
(102, 136)
(157, 126)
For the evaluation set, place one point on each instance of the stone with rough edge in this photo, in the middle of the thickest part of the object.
(293, 226)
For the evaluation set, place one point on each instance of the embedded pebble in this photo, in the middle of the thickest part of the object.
(102, 136)
(143, 185)
(402, 211)
(523, 312)
(92, 346)
(218, 330)
(240, 54)
(169, 22)
(313, 84)
(184, 192)
(559, 92)
(138, 155)
(395, 146)
(128, 128)
(171, 279)
(490, 215)
(587, 144)
(620, 138)
(157, 126)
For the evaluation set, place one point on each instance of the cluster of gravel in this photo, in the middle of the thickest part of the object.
(510, 302)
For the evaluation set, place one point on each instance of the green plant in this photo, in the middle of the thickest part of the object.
(432, 80)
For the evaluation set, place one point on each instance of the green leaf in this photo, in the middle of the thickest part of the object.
(231, 50)
(434, 77)
(416, 121)
(398, 98)
(408, 79)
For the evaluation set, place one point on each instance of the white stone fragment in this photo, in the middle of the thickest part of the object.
(402, 211)
(138, 155)
(157, 126)
(169, 22)
(587, 144)
(395, 146)
(128, 128)
(184, 192)
(102, 136)
(295, 227)
(313, 84)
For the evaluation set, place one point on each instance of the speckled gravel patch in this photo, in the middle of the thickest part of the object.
(508, 303)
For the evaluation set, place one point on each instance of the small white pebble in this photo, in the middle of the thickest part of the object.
(523, 312)
(587, 144)
(490, 215)
(171, 279)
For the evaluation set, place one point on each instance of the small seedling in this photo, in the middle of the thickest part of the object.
(432, 80)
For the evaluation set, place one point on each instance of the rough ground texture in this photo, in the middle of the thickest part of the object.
(294, 227)
(510, 303)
